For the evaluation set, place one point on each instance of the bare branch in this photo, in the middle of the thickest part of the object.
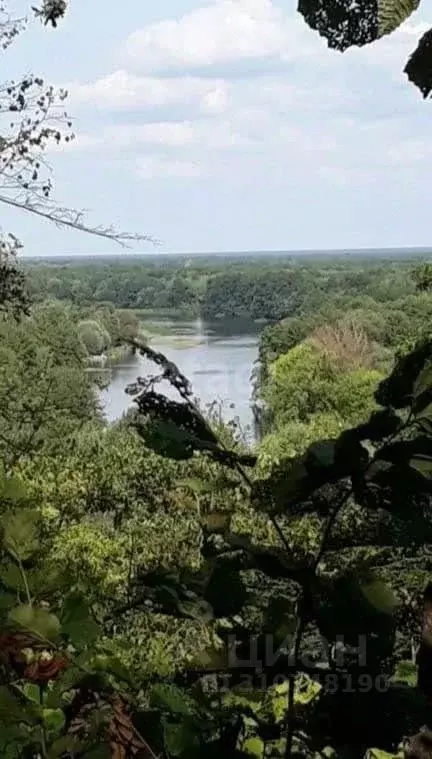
(66, 217)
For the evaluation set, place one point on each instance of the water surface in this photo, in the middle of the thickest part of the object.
(217, 358)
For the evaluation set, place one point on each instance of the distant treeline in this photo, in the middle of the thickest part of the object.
(259, 288)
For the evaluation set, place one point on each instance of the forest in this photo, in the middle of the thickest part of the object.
(165, 591)
(168, 592)
(259, 287)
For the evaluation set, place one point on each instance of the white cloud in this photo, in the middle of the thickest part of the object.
(158, 166)
(343, 118)
(224, 32)
(122, 91)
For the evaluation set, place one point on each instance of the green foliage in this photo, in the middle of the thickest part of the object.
(303, 382)
(95, 339)
(135, 565)
(45, 393)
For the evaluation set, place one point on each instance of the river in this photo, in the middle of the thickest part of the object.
(217, 357)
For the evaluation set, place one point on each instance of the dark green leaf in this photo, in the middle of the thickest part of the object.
(35, 620)
(169, 698)
(31, 692)
(20, 533)
(379, 595)
(423, 465)
(288, 482)
(12, 709)
(77, 622)
(270, 560)
(225, 591)
(345, 24)
(109, 664)
(11, 577)
(397, 389)
(423, 382)
(196, 608)
(7, 601)
(180, 740)
(381, 425)
(13, 489)
(418, 70)
(102, 751)
(63, 745)
(281, 618)
(175, 594)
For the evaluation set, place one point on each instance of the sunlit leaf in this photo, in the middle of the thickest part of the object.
(32, 692)
(254, 747)
(53, 719)
(406, 673)
(380, 596)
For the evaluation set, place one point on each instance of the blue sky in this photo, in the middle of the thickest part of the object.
(229, 125)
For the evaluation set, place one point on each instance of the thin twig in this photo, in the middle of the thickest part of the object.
(122, 238)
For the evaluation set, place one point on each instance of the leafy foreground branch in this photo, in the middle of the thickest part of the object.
(312, 648)
(346, 24)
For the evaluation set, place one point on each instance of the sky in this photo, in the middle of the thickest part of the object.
(229, 125)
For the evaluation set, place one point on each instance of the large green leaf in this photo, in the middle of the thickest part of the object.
(35, 620)
(77, 622)
(53, 719)
(12, 489)
(12, 709)
(422, 464)
(20, 532)
(397, 389)
(11, 577)
(352, 606)
(345, 24)
(423, 382)
(379, 595)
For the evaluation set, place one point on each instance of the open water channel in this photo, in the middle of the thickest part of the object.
(217, 357)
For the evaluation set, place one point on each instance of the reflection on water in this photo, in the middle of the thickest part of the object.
(216, 358)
